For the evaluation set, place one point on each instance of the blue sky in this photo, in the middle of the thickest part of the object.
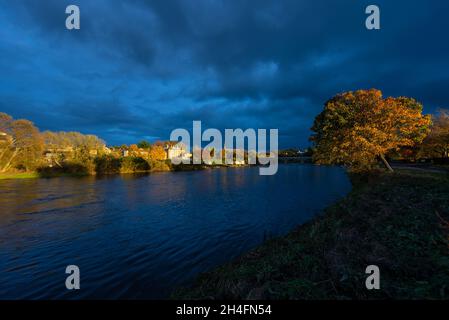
(139, 69)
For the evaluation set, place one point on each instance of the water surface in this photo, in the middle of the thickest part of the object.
(141, 236)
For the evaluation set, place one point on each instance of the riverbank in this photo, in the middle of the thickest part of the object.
(156, 169)
(398, 222)
(36, 175)
(21, 175)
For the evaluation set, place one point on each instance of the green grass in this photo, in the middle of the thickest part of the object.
(398, 222)
(25, 175)
(35, 175)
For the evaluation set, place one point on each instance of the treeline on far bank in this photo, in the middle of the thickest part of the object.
(106, 164)
(25, 149)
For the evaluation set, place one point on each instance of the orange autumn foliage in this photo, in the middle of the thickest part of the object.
(157, 152)
(436, 144)
(356, 129)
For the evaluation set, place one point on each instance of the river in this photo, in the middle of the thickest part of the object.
(140, 236)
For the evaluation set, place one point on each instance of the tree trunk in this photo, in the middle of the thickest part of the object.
(3, 153)
(7, 165)
(57, 162)
(382, 157)
(6, 149)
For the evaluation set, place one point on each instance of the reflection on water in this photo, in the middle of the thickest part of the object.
(141, 236)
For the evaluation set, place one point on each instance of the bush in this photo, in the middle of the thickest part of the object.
(77, 168)
(68, 168)
(159, 166)
(134, 164)
(107, 164)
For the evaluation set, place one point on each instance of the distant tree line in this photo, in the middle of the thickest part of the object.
(295, 152)
(357, 129)
(24, 148)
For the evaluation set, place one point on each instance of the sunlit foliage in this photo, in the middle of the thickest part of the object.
(358, 128)
(436, 143)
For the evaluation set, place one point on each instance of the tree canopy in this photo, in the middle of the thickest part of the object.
(61, 140)
(144, 144)
(157, 153)
(358, 128)
(25, 146)
(436, 144)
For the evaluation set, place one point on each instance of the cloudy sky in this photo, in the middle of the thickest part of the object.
(138, 69)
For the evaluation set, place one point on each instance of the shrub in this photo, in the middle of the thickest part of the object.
(134, 164)
(107, 164)
(159, 166)
(69, 168)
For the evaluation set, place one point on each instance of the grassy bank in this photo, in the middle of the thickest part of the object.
(36, 175)
(155, 168)
(22, 175)
(398, 222)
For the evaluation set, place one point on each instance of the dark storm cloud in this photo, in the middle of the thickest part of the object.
(138, 69)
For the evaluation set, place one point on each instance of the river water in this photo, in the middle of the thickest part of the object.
(141, 236)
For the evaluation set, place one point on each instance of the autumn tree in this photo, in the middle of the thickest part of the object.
(436, 144)
(25, 146)
(133, 149)
(356, 129)
(6, 141)
(73, 148)
(157, 153)
(144, 144)
(5, 122)
(63, 140)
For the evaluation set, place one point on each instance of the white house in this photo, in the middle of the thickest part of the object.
(176, 150)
